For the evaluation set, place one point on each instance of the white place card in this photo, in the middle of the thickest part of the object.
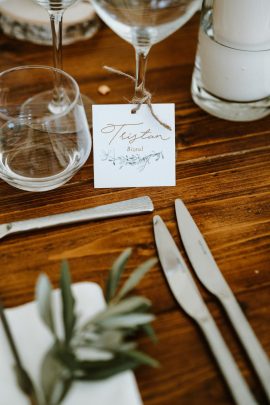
(133, 150)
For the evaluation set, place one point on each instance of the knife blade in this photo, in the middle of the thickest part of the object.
(211, 277)
(133, 206)
(189, 298)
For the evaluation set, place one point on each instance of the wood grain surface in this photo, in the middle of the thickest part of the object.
(223, 175)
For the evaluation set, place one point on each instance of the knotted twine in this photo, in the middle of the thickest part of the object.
(145, 98)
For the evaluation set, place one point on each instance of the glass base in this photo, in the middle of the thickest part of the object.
(35, 186)
(43, 102)
(228, 110)
(49, 168)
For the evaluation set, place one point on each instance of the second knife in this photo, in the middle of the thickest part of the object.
(189, 298)
(211, 277)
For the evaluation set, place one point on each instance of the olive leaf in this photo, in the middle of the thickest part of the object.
(149, 331)
(135, 278)
(126, 321)
(68, 302)
(129, 304)
(106, 372)
(122, 361)
(26, 385)
(44, 302)
(56, 378)
(115, 273)
(95, 371)
(110, 339)
(142, 358)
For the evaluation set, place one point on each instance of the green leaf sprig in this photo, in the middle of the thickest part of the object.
(104, 345)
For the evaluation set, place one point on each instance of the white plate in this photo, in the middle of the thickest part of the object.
(26, 20)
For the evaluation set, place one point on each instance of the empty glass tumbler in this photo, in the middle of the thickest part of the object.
(39, 149)
(231, 77)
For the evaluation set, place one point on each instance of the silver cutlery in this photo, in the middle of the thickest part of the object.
(211, 277)
(133, 206)
(189, 298)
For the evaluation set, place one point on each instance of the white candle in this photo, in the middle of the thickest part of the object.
(242, 23)
(232, 74)
(235, 59)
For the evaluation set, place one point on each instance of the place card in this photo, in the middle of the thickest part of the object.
(133, 149)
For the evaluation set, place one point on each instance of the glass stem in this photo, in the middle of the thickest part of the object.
(56, 18)
(141, 64)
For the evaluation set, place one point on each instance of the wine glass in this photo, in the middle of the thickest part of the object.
(56, 10)
(39, 149)
(143, 23)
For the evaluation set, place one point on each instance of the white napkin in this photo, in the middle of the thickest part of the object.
(33, 339)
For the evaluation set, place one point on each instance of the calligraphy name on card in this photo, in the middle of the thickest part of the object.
(133, 149)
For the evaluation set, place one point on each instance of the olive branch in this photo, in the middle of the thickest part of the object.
(101, 347)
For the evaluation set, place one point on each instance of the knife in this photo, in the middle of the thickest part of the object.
(189, 298)
(211, 277)
(119, 209)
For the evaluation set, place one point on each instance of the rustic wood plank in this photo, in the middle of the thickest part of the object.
(223, 175)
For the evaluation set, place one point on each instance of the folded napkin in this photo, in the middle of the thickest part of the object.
(33, 340)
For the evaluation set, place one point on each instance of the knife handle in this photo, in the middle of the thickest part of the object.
(236, 383)
(250, 341)
(123, 208)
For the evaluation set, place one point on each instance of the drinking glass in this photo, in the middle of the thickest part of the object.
(144, 23)
(39, 149)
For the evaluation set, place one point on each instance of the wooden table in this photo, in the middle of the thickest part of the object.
(223, 175)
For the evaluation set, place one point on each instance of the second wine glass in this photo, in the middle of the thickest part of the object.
(144, 23)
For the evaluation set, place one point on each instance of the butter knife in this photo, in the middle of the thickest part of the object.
(133, 206)
(189, 298)
(211, 277)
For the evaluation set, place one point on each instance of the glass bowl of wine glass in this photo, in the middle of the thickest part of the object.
(144, 23)
(40, 149)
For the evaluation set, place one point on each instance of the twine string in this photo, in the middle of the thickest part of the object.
(145, 98)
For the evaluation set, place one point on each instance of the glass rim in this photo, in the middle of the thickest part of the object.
(50, 68)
